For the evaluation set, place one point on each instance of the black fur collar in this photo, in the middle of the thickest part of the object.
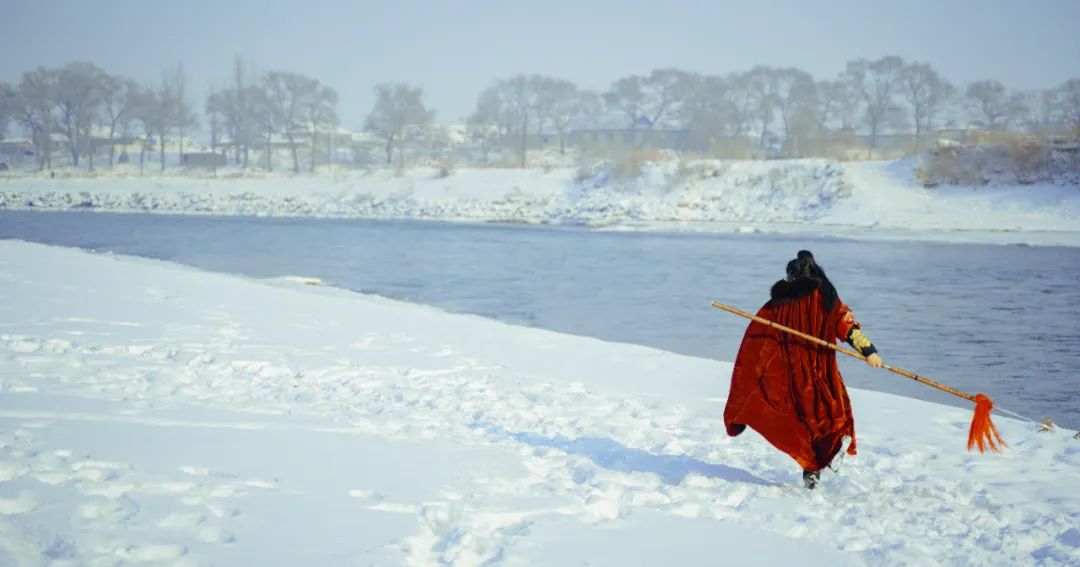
(784, 291)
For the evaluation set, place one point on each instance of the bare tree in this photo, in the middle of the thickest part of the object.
(162, 117)
(36, 101)
(665, 90)
(491, 121)
(561, 103)
(181, 113)
(150, 111)
(582, 107)
(161, 120)
(626, 95)
(163, 111)
(398, 107)
(265, 122)
(523, 104)
(289, 95)
(118, 97)
(706, 109)
(651, 98)
(835, 102)
(761, 81)
(742, 98)
(483, 134)
(876, 83)
(926, 92)
(322, 112)
(515, 105)
(793, 93)
(237, 106)
(993, 106)
(492, 107)
(1043, 111)
(698, 99)
(78, 100)
(214, 108)
(1068, 95)
(240, 102)
(8, 105)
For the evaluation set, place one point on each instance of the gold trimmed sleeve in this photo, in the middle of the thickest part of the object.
(857, 339)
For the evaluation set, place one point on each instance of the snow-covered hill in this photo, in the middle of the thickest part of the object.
(887, 195)
(151, 413)
(869, 199)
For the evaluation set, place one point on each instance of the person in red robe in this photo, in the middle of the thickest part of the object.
(788, 389)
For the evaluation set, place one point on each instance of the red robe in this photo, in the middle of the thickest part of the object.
(788, 389)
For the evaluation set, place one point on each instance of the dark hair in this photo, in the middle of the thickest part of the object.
(804, 266)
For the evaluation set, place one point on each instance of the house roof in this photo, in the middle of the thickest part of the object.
(629, 130)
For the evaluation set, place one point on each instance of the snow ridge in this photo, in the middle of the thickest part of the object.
(708, 190)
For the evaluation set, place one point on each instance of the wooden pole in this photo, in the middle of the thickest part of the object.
(851, 353)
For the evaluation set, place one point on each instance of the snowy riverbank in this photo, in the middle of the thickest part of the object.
(870, 200)
(150, 412)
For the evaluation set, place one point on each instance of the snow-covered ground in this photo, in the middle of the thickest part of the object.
(151, 413)
(867, 200)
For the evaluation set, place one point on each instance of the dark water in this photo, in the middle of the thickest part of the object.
(1004, 320)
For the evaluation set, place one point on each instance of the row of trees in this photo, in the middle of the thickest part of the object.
(788, 103)
(880, 95)
(79, 100)
(511, 106)
(89, 107)
(258, 110)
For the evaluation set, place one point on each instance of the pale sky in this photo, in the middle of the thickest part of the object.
(455, 49)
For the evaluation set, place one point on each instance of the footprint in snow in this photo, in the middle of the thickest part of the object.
(24, 502)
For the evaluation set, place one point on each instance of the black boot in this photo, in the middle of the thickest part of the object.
(811, 479)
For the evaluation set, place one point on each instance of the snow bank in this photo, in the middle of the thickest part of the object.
(888, 196)
(701, 191)
(1022, 161)
(155, 413)
(869, 199)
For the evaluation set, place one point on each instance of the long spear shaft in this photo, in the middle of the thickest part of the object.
(848, 352)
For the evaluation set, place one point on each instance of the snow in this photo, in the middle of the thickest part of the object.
(890, 186)
(858, 199)
(152, 413)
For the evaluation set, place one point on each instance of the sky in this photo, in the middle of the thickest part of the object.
(454, 49)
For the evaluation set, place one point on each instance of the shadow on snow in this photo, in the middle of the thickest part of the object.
(612, 455)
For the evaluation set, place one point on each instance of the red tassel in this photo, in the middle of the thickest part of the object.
(983, 432)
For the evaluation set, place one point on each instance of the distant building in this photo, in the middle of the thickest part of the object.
(620, 138)
(1066, 144)
(14, 151)
(204, 160)
(17, 147)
